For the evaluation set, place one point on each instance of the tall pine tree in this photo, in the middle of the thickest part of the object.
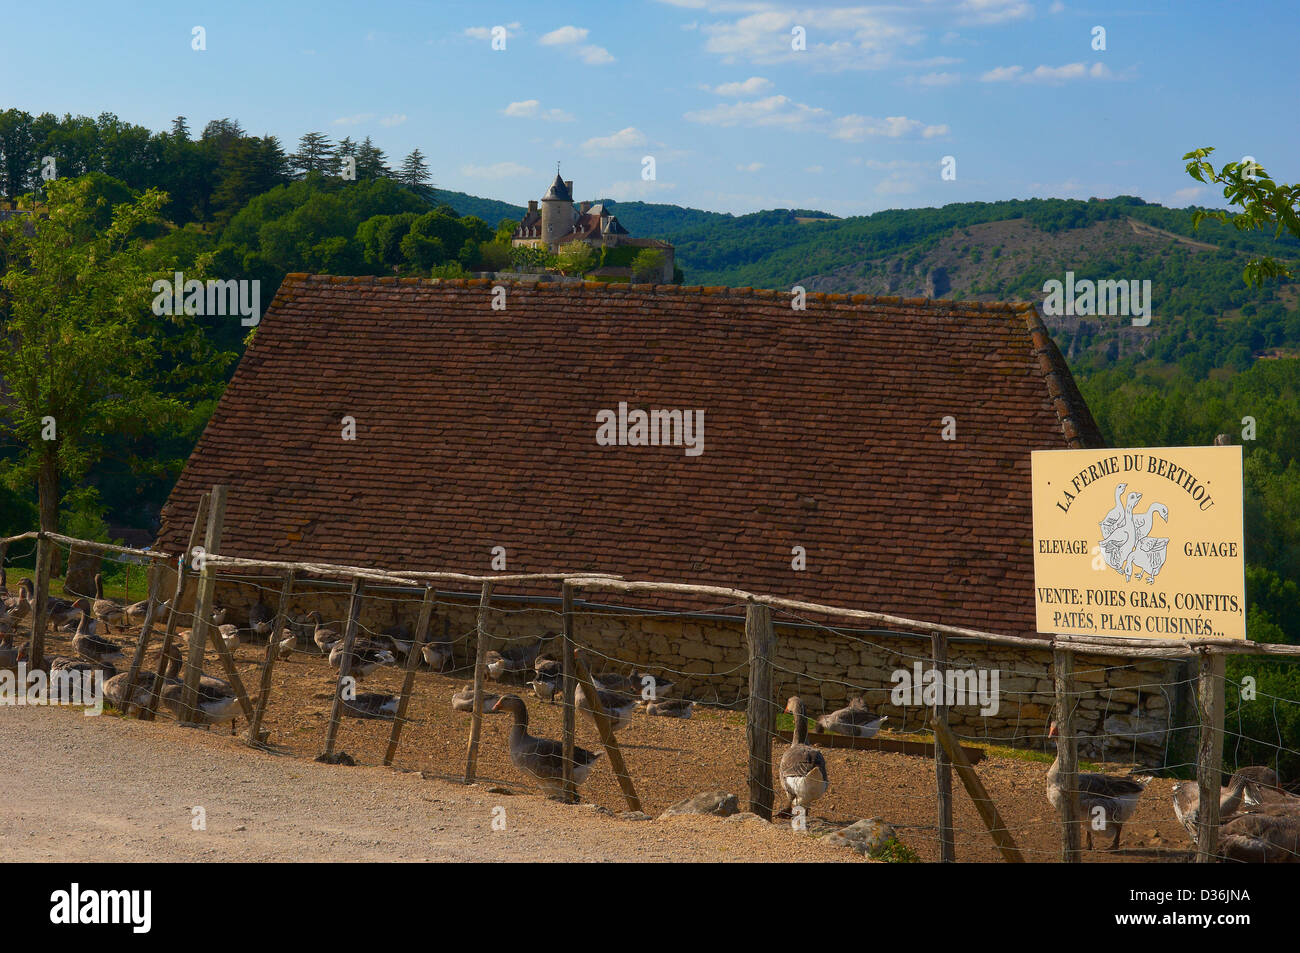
(315, 154)
(414, 174)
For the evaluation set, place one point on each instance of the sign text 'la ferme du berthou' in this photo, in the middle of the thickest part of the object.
(1142, 542)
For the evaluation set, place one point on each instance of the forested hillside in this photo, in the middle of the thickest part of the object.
(240, 206)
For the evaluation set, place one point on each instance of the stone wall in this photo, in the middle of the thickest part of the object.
(1126, 707)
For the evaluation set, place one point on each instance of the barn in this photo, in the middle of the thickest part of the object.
(857, 451)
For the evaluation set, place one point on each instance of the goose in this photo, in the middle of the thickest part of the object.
(1269, 834)
(803, 768)
(1116, 797)
(141, 694)
(92, 646)
(219, 615)
(217, 702)
(618, 708)
(53, 604)
(288, 642)
(613, 682)
(230, 635)
(547, 667)
(1120, 542)
(1116, 515)
(1187, 797)
(399, 633)
(261, 618)
(656, 687)
(322, 636)
(437, 655)
(513, 660)
(16, 611)
(136, 612)
(65, 616)
(854, 719)
(669, 707)
(463, 700)
(544, 688)
(366, 657)
(376, 705)
(106, 610)
(543, 758)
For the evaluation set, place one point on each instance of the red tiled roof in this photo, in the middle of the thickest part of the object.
(476, 428)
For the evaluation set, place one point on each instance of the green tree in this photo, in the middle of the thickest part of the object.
(577, 258)
(371, 162)
(315, 154)
(648, 265)
(82, 360)
(414, 174)
(1264, 204)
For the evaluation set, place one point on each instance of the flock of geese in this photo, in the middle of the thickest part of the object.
(1259, 820)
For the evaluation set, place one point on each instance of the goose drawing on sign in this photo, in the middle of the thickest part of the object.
(1149, 553)
(1120, 541)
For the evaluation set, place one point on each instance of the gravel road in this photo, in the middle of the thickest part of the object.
(109, 789)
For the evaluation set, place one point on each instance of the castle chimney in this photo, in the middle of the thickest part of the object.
(584, 207)
(568, 186)
(532, 205)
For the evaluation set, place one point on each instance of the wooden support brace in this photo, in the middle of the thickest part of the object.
(203, 608)
(183, 573)
(606, 731)
(408, 681)
(146, 630)
(983, 803)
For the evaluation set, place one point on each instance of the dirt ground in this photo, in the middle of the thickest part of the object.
(114, 774)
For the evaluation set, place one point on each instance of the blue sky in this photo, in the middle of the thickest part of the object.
(735, 119)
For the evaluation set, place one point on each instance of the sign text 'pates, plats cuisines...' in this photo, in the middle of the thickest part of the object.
(1140, 542)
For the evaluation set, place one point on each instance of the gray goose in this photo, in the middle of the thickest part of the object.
(115, 688)
(106, 610)
(463, 700)
(1269, 834)
(1187, 802)
(92, 646)
(513, 660)
(366, 657)
(375, 705)
(803, 768)
(618, 707)
(854, 719)
(543, 758)
(658, 688)
(437, 652)
(323, 636)
(261, 618)
(1116, 797)
(669, 707)
(399, 634)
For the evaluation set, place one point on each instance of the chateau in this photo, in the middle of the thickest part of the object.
(557, 222)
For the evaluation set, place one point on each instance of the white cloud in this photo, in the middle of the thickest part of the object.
(932, 80)
(629, 138)
(750, 87)
(570, 36)
(564, 35)
(498, 170)
(751, 167)
(993, 11)
(784, 113)
(814, 170)
(1048, 74)
(353, 120)
(1188, 195)
(1056, 7)
(396, 119)
(531, 109)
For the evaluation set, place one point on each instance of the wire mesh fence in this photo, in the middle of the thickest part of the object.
(837, 724)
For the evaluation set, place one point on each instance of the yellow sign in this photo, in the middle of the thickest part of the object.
(1140, 542)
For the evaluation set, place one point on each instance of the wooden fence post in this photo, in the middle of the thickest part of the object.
(942, 763)
(173, 617)
(272, 653)
(146, 630)
(40, 611)
(345, 667)
(408, 682)
(1209, 753)
(203, 607)
(480, 654)
(1067, 749)
(567, 689)
(758, 720)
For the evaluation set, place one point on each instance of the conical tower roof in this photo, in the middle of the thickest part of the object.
(558, 190)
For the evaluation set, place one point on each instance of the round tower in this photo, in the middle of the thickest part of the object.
(557, 211)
